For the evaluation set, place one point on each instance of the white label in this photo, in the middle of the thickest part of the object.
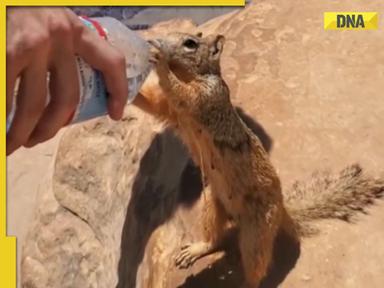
(93, 95)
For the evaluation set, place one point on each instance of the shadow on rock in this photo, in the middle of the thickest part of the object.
(156, 193)
(167, 178)
(256, 128)
(224, 273)
(285, 254)
(227, 272)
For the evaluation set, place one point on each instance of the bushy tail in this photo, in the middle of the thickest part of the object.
(327, 196)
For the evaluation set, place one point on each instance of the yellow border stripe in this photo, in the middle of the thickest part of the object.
(128, 3)
(7, 244)
(2, 107)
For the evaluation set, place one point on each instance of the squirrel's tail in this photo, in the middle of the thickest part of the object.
(327, 196)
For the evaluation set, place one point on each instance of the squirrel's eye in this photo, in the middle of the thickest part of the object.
(190, 44)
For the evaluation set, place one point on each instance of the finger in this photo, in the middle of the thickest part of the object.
(16, 61)
(30, 103)
(24, 43)
(11, 76)
(64, 98)
(103, 57)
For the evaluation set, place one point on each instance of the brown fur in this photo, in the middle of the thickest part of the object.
(327, 196)
(245, 191)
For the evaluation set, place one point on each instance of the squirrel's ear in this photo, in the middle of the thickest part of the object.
(217, 47)
(199, 34)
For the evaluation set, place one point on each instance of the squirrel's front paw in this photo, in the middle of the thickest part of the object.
(157, 54)
(158, 57)
(155, 51)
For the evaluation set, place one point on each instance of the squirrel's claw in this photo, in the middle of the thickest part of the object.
(153, 59)
(155, 43)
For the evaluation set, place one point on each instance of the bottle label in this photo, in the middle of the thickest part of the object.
(93, 93)
(94, 25)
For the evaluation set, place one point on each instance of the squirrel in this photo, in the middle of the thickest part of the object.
(245, 190)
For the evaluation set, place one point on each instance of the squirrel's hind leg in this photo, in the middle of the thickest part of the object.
(216, 234)
(256, 243)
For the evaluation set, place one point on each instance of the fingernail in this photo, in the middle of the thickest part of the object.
(116, 110)
(10, 148)
(30, 143)
(70, 118)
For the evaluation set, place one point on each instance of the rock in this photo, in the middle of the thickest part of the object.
(75, 237)
(124, 196)
(306, 278)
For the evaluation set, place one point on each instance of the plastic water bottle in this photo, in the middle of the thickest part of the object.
(93, 93)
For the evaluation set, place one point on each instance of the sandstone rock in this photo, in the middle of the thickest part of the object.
(123, 197)
(74, 240)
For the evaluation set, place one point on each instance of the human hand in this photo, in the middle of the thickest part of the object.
(47, 40)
